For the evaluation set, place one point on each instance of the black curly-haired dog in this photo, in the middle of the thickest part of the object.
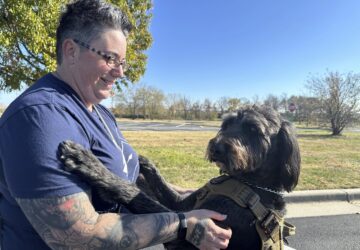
(255, 146)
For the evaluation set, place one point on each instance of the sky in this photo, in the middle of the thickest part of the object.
(248, 48)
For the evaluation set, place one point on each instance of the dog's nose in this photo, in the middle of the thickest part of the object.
(216, 149)
(219, 149)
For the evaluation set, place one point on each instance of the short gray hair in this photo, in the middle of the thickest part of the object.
(86, 20)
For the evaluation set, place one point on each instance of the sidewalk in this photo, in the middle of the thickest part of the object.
(323, 202)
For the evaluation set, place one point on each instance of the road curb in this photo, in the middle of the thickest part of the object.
(348, 195)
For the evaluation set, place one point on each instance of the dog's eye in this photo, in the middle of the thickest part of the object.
(249, 128)
(253, 129)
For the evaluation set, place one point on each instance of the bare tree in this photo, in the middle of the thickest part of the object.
(284, 105)
(185, 104)
(172, 104)
(140, 101)
(142, 96)
(196, 110)
(156, 99)
(339, 96)
(272, 101)
(223, 105)
(245, 101)
(234, 104)
(126, 104)
(307, 109)
(256, 100)
(208, 109)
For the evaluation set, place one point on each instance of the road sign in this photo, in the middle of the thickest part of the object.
(292, 107)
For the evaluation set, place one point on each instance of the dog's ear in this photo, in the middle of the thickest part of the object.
(289, 156)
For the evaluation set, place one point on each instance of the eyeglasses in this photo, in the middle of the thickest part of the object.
(111, 60)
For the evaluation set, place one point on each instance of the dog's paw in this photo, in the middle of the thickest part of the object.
(66, 152)
(147, 167)
(73, 155)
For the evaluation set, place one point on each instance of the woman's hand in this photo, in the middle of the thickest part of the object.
(204, 233)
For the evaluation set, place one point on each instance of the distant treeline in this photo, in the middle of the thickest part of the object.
(146, 102)
(333, 101)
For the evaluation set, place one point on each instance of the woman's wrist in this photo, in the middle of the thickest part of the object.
(182, 230)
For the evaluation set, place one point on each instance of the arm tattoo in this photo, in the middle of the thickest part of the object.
(59, 213)
(70, 222)
(137, 231)
(197, 234)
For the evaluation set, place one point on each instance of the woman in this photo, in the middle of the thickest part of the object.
(42, 205)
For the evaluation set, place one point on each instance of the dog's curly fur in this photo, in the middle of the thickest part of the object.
(254, 145)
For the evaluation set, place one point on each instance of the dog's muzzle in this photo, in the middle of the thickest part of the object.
(216, 151)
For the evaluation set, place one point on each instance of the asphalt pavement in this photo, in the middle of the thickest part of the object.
(340, 232)
(324, 219)
(164, 126)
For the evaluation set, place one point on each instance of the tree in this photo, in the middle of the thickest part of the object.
(284, 105)
(339, 96)
(126, 104)
(172, 104)
(142, 101)
(152, 100)
(234, 104)
(256, 100)
(307, 109)
(185, 104)
(196, 110)
(208, 109)
(27, 39)
(223, 105)
(272, 101)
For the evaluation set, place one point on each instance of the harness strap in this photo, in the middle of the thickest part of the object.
(288, 229)
(270, 226)
(239, 192)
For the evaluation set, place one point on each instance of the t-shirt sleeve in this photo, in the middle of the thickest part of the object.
(31, 165)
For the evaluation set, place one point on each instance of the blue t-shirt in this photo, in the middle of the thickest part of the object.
(31, 130)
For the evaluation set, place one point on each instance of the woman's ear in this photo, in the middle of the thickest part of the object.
(70, 51)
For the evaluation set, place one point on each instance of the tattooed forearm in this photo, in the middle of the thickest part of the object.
(72, 223)
(137, 231)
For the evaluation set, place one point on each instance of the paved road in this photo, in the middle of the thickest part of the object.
(164, 126)
(176, 126)
(340, 232)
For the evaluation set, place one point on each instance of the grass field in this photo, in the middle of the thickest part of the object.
(327, 162)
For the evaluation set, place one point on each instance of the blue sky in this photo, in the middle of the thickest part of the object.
(247, 48)
(244, 48)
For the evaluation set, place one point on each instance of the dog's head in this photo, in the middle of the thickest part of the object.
(257, 144)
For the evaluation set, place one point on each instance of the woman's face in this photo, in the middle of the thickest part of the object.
(93, 77)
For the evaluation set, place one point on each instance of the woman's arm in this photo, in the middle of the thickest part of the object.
(70, 222)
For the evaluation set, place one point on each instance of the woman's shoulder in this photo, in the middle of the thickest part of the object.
(48, 92)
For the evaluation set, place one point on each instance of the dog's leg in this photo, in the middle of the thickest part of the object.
(163, 192)
(112, 188)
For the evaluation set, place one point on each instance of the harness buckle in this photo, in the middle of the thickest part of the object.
(270, 224)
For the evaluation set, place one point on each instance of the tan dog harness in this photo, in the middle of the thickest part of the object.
(270, 225)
